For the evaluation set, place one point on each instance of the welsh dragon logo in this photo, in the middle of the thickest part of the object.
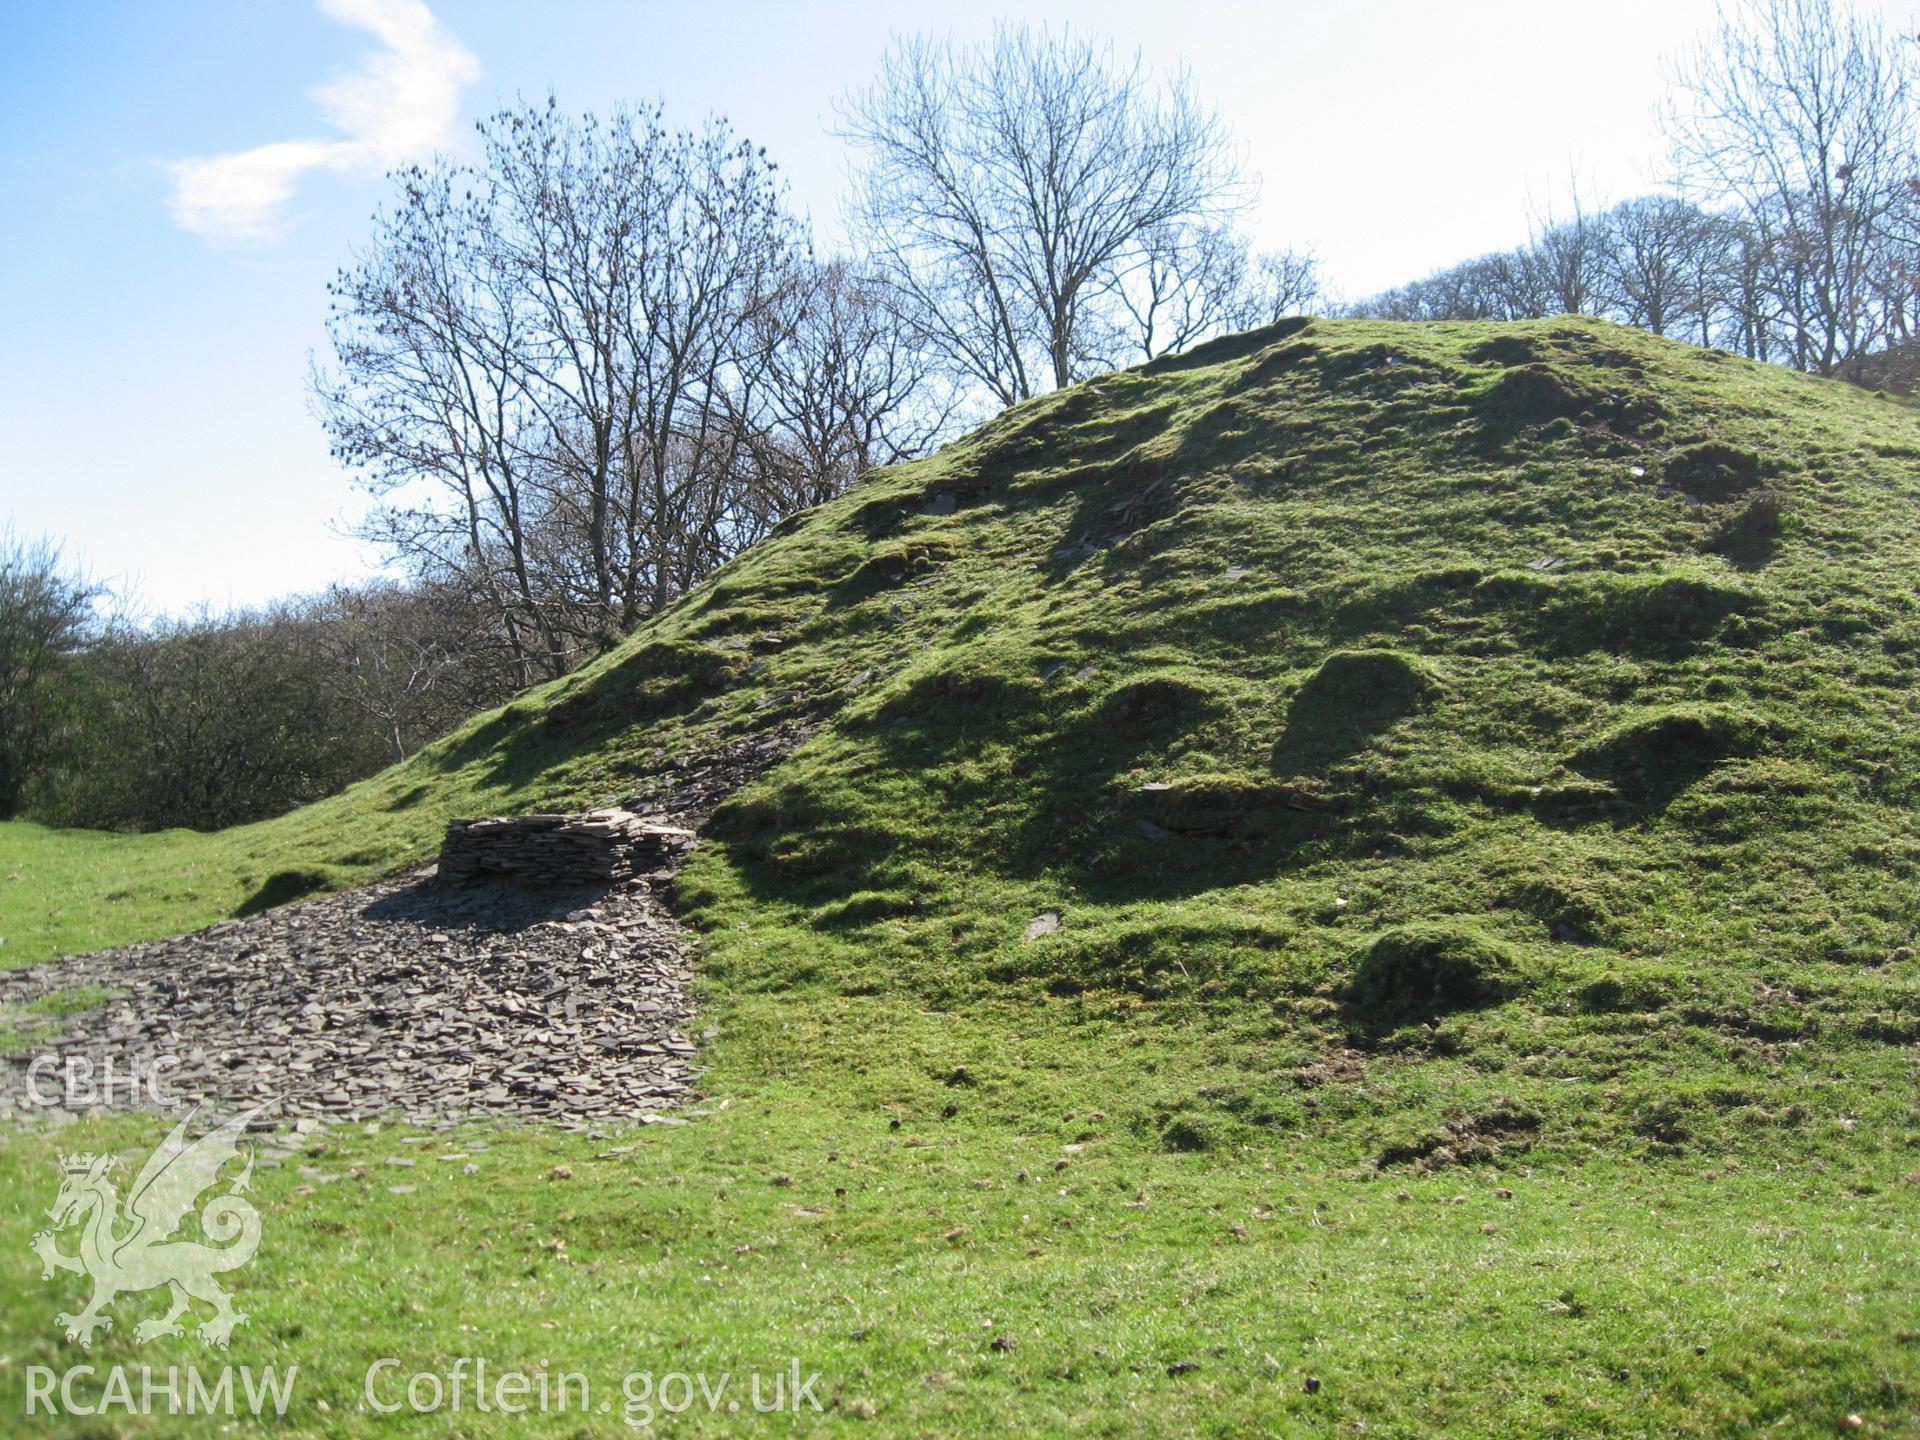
(136, 1249)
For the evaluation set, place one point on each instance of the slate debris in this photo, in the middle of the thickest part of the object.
(567, 999)
(683, 790)
(1045, 923)
(407, 997)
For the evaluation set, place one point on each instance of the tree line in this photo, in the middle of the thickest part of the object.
(581, 371)
(585, 368)
(116, 721)
(1791, 233)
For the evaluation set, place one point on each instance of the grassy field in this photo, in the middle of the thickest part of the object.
(1034, 1256)
(1473, 767)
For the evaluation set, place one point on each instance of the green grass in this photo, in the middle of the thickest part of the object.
(1464, 758)
(1605, 1293)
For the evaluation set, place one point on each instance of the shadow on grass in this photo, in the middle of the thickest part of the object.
(283, 887)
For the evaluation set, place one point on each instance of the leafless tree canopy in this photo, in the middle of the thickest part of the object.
(414, 660)
(1037, 205)
(843, 389)
(1801, 112)
(583, 371)
(548, 340)
(1795, 235)
(575, 373)
(1192, 282)
(1665, 262)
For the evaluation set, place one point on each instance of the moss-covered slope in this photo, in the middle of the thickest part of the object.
(1599, 644)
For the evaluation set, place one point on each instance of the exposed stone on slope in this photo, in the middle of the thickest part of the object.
(684, 790)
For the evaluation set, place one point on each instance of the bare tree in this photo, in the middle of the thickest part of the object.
(1190, 281)
(1801, 112)
(649, 256)
(430, 400)
(1507, 286)
(1661, 263)
(1197, 281)
(539, 363)
(44, 612)
(1897, 274)
(1565, 261)
(1658, 261)
(1010, 189)
(1283, 283)
(842, 390)
(415, 660)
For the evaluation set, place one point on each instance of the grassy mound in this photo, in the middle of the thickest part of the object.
(1659, 752)
(1350, 697)
(1713, 470)
(1434, 743)
(1198, 647)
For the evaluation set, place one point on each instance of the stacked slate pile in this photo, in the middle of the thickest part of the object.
(439, 1002)
(555, 850)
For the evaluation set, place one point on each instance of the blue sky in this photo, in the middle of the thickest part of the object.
(159, 316)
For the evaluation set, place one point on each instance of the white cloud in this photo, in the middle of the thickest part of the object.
(397, 106)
